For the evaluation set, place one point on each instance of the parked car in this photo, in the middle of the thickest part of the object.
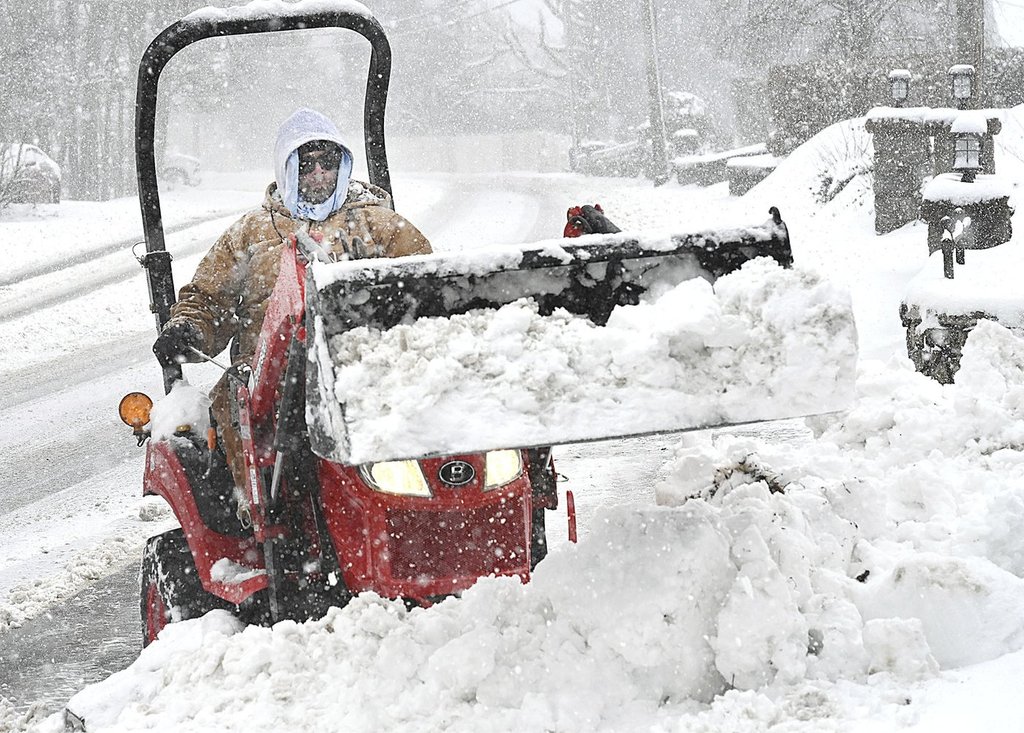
(28, 175)
(180, 169)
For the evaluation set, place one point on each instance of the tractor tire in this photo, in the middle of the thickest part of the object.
(544, 485)
(538, 537)
(171, 589)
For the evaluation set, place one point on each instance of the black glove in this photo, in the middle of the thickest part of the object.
(173, 344)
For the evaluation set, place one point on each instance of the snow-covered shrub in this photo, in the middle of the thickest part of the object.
(848, 155)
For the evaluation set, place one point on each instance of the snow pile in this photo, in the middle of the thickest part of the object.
(816, 585)
(618, 642)
(986, 283)
(828, 177)
(891, 546)
(765, 342)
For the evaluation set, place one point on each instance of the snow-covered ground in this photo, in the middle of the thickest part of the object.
(864, 573)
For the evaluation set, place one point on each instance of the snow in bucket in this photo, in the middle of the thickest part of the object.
(762, 343)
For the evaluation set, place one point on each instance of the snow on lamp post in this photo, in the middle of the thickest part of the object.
(967, 156)
(968, 129)
(962, 84)
(899, 86)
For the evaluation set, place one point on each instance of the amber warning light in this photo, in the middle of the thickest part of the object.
(134, 411)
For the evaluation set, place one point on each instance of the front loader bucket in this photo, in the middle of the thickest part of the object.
(570, 340)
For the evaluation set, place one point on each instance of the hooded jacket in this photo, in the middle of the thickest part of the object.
(232, 284)
(229, 292)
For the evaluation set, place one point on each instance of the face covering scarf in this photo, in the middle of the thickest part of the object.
(303, 209)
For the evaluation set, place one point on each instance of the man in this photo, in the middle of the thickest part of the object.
(228, 294)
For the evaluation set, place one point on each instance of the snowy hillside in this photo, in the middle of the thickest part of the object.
(866, 574)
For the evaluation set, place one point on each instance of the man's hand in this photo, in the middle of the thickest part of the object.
(175, 343)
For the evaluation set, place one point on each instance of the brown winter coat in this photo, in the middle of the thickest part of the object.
(228, 294)
(233, 283)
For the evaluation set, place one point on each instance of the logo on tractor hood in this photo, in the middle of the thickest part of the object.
(456, 473)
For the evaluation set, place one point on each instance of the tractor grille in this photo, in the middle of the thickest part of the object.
(428, 546)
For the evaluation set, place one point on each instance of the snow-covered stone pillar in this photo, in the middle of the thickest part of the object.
(902, 159)
(986, 200)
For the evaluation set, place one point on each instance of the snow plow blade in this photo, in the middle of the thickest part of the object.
(567, 341)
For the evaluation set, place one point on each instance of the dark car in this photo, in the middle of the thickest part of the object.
(28, 175)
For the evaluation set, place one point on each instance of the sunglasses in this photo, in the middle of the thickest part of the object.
(329, 160)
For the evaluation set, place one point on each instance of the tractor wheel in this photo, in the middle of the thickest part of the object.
(544, 484)
(171, 589)
(538, 538)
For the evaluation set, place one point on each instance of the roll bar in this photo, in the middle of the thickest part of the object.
(241, 20)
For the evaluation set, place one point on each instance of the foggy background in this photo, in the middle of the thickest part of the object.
(515, 82)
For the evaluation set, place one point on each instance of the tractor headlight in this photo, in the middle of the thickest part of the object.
(502, 467)
(395, 477)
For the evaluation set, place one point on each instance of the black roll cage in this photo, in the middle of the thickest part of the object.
(240, 20)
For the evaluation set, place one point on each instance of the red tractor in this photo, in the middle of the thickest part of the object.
(312, 531)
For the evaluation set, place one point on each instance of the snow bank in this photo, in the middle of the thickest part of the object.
(764, 343)
(826, 583)
(828, 177)
(618, 642)
(894, 533)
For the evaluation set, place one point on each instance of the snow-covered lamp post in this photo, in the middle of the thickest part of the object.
(970, 186)
(969, 130)
(962, 84)
(967, 158)
(951, 151)
(899, 87)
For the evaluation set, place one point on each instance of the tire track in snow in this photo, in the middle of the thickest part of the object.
(70, 282)
(77, 258)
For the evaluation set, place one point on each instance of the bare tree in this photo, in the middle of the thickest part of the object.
(853, 30)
